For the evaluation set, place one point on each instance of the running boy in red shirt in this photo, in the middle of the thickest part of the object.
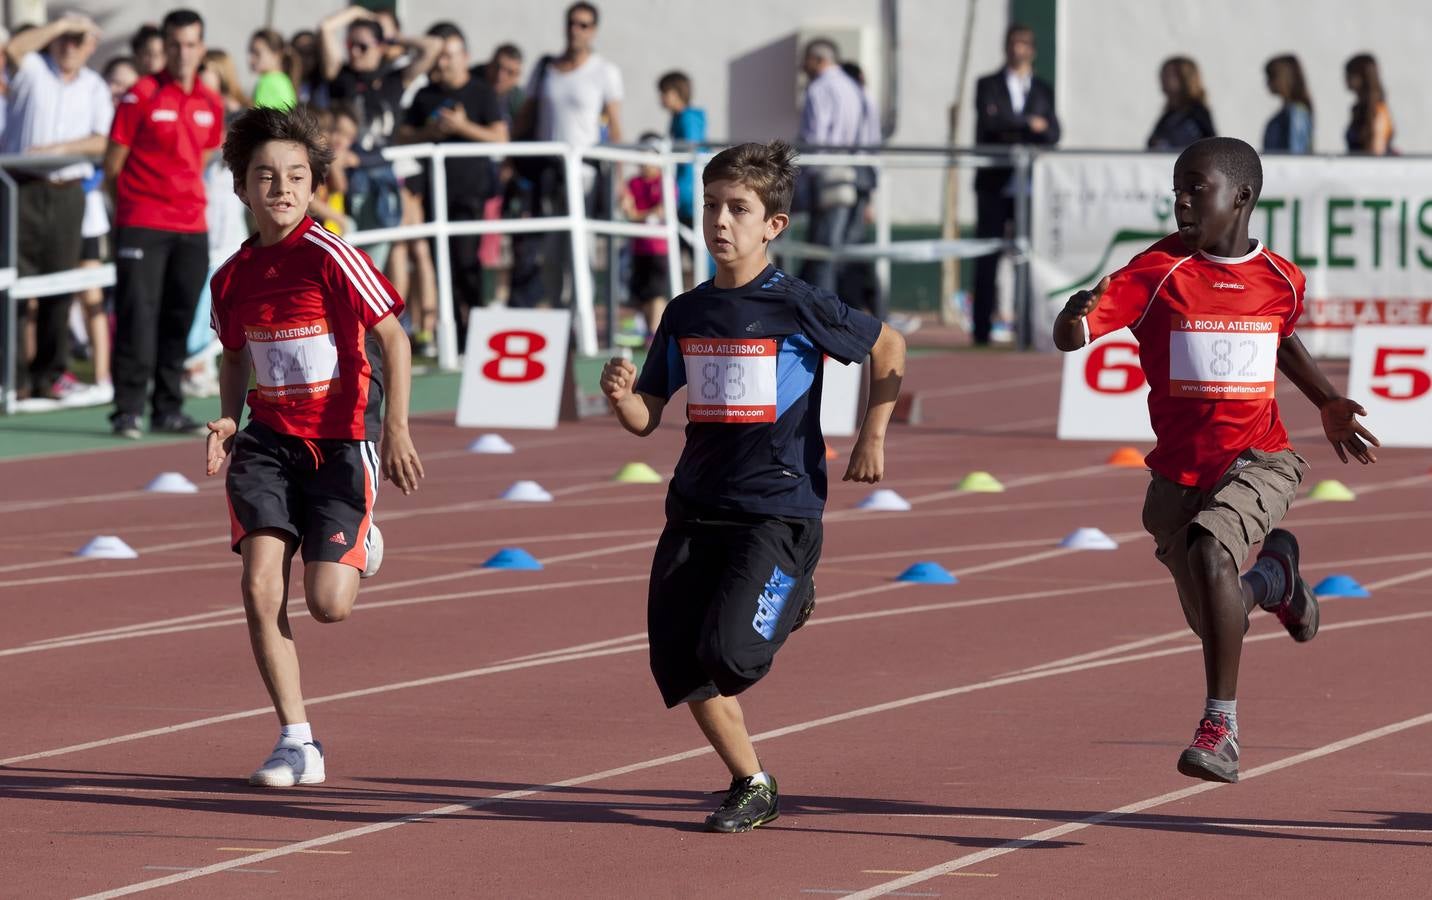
(1214, 313)
(733, 571)
(304, 313)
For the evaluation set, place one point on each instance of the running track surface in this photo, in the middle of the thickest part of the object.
(497, 733)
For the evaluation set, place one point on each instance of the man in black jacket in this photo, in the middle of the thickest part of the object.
(1012, 106)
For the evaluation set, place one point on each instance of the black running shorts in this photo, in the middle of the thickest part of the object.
(726, 588)
(319, 491)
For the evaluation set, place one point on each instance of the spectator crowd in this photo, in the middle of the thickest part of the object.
(161, 207)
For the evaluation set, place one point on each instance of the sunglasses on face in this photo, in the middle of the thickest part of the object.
(582, 24)
(360, 47)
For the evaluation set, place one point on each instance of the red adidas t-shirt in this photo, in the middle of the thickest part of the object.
(167, 132)
(303, 307)
(1208, 329)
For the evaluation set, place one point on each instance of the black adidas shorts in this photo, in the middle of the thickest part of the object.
(726, 588)
(319, 491)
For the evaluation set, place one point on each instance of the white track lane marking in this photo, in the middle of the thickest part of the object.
(795, 728)
(1059, 831)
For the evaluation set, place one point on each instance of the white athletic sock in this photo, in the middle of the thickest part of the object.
(300, 731)
(1226, 708)
(1269, 580)
(763, 777)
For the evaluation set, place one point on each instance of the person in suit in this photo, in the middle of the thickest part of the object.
(1012, 106)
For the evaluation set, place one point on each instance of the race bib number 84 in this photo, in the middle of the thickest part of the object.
(1223, 357)
(730, 380)
(294, 362)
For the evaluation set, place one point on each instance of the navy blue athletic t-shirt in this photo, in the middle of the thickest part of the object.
(750, 359)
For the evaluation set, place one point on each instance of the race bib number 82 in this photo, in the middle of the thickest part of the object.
(730, 380)
(1223, 357)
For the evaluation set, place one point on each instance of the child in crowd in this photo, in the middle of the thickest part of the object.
(688, 125)
(733, 571)
(650, 283)
(1214, 314)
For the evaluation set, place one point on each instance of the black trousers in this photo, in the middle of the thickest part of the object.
(49, 217)
(158, 277)
(994, 215)
(466, 266)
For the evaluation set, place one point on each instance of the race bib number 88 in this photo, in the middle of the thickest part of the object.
(1223, 357)
(730, 380)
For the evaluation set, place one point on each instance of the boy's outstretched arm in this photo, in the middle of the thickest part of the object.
(1069, 324)
(399, 457)
(234, 371)
(639, 413)
(887, 370)
(1340, 424)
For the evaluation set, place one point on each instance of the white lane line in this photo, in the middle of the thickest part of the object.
(187, 623)
(117, 573)
(330, 698)
(1369, 829)
(795, 728)
(394, 515)
(50, 503)
(1060, 831)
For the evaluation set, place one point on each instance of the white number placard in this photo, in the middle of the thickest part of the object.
(730, 379)
(1223, 357)
(840, 398)
(515, 368)
(1390, 374)
(1104, 395)
(293, 362)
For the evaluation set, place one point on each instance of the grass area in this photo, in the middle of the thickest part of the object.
(79, 430)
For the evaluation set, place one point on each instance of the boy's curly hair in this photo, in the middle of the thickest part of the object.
(255, 127)
(767, 169)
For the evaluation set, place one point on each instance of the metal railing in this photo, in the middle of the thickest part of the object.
(579, 226)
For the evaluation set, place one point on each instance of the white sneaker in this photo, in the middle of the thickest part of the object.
(291, 762)
(375, 551)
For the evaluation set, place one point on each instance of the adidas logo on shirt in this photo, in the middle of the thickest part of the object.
(272, 272)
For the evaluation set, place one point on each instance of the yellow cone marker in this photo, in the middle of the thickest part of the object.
(1331, 490)
(981, 483)
(637, 473)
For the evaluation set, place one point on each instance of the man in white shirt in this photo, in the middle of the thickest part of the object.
(57, 107)
(570, 98)
(836, 113)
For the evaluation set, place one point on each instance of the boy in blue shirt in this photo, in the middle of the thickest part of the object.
(688, 125)
(733, 572)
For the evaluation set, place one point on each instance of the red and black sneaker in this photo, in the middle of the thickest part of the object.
(1213, 755)
(1298, 610)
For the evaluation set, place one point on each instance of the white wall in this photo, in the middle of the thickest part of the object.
(1110, 51)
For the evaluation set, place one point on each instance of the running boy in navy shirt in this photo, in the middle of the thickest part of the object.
(1214, 313)
(300, 311)
(732, 574)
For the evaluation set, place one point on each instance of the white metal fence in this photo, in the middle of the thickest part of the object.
(575, 222)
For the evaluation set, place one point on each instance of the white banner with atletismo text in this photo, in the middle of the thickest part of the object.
(1359, 228)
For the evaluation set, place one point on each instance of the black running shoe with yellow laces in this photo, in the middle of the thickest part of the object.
(748, 804)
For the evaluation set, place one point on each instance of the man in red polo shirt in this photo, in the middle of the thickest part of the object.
(163, 132)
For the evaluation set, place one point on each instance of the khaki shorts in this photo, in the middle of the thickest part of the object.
(1247, 502)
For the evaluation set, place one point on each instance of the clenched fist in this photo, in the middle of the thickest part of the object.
(618, 379)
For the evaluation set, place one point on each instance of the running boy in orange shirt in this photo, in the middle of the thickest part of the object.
(733, 571)
(305, 313)
(1214, 314)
